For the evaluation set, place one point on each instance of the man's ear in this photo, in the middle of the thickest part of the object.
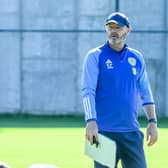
(105, 27)
(129, 29)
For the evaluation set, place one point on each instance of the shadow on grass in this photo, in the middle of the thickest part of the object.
(36, 121)
(62, 121)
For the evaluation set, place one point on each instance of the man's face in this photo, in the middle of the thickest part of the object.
(116, 34)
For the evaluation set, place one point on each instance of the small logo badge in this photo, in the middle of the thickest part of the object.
(134, 71)
(109, 64)
(132, 61)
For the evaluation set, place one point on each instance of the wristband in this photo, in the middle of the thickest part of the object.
(152, 120)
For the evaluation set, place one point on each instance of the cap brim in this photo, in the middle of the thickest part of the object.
(114, 21)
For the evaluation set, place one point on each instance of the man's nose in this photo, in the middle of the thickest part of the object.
(113, 30)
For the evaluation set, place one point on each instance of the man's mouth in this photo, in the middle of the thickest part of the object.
(114, 36)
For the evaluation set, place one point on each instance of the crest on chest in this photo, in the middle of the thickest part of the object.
(109, 64)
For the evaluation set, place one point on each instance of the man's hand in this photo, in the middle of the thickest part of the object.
(91, 130)
(151, 134)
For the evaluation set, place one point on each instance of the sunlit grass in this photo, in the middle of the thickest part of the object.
(62, 146)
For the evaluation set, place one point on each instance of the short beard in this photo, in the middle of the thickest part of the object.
(119, 40)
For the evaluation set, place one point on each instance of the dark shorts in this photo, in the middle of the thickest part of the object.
(129, 149)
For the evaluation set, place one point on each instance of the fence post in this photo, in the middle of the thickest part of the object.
(117, 6)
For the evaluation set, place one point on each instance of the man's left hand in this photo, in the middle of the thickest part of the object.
(151, 134)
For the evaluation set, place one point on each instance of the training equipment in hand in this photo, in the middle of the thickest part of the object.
(103, 151)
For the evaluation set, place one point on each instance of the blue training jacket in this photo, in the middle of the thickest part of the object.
(111, 84)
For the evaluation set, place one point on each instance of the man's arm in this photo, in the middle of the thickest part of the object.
(151, 132)
(89, 85)
(144, 89)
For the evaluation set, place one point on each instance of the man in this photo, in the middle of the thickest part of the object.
(113, 77)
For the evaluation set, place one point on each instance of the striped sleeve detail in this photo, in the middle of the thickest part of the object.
(90, 75)
(89, 107)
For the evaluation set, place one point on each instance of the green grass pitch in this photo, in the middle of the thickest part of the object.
(60, 141)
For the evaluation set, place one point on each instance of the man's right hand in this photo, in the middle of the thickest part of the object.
(91, 130)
